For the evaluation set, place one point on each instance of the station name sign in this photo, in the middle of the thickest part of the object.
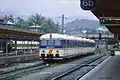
(87, 4)
(110, 21)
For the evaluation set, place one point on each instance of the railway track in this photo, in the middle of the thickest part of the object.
(80, 70)
(6, 74)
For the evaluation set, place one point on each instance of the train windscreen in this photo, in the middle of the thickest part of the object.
(50, 43)
(43, 42)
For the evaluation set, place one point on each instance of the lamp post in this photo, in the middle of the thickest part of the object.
(85, 32)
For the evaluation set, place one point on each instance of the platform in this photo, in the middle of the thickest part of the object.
(107, 70)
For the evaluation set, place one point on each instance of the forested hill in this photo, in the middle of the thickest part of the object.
(78, 26)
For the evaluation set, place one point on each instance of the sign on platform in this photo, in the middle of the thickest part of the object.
(88, 4)
(109, 21)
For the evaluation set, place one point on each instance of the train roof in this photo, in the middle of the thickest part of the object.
(64, 36)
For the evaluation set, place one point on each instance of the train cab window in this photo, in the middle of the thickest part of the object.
(57, 42)
(50, 42)
(43, 42)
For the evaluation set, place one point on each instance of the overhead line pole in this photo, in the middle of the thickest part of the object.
(63, 23)
(63, 18)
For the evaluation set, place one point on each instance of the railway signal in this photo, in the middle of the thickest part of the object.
(93, 37)
(100, 36)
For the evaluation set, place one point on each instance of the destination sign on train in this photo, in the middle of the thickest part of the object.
(110, 21)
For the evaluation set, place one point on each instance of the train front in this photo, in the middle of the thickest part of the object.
(51, 48)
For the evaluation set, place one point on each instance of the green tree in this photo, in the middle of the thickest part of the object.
(6, 18)
(48, 26)
(21, 23)
(9, 18)
(36, 20)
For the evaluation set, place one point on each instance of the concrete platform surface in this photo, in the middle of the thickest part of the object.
(107, 70)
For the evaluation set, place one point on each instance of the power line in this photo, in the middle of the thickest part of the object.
(63, 20)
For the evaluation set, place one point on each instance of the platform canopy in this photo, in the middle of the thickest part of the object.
(108, 8)
(17, 34)
(107, 11)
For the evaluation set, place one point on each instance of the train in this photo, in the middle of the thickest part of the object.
(55, 46)
(22, 45)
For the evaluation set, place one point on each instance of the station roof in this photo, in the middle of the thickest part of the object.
(16, 34)
(108, 8)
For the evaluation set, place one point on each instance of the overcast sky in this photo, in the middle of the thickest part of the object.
(48, 8)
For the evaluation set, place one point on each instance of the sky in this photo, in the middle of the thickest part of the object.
(48, 8)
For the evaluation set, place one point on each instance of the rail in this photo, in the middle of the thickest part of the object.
(78, 67)
(6, 74)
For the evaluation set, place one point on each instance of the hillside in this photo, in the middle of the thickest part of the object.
(78, 26)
